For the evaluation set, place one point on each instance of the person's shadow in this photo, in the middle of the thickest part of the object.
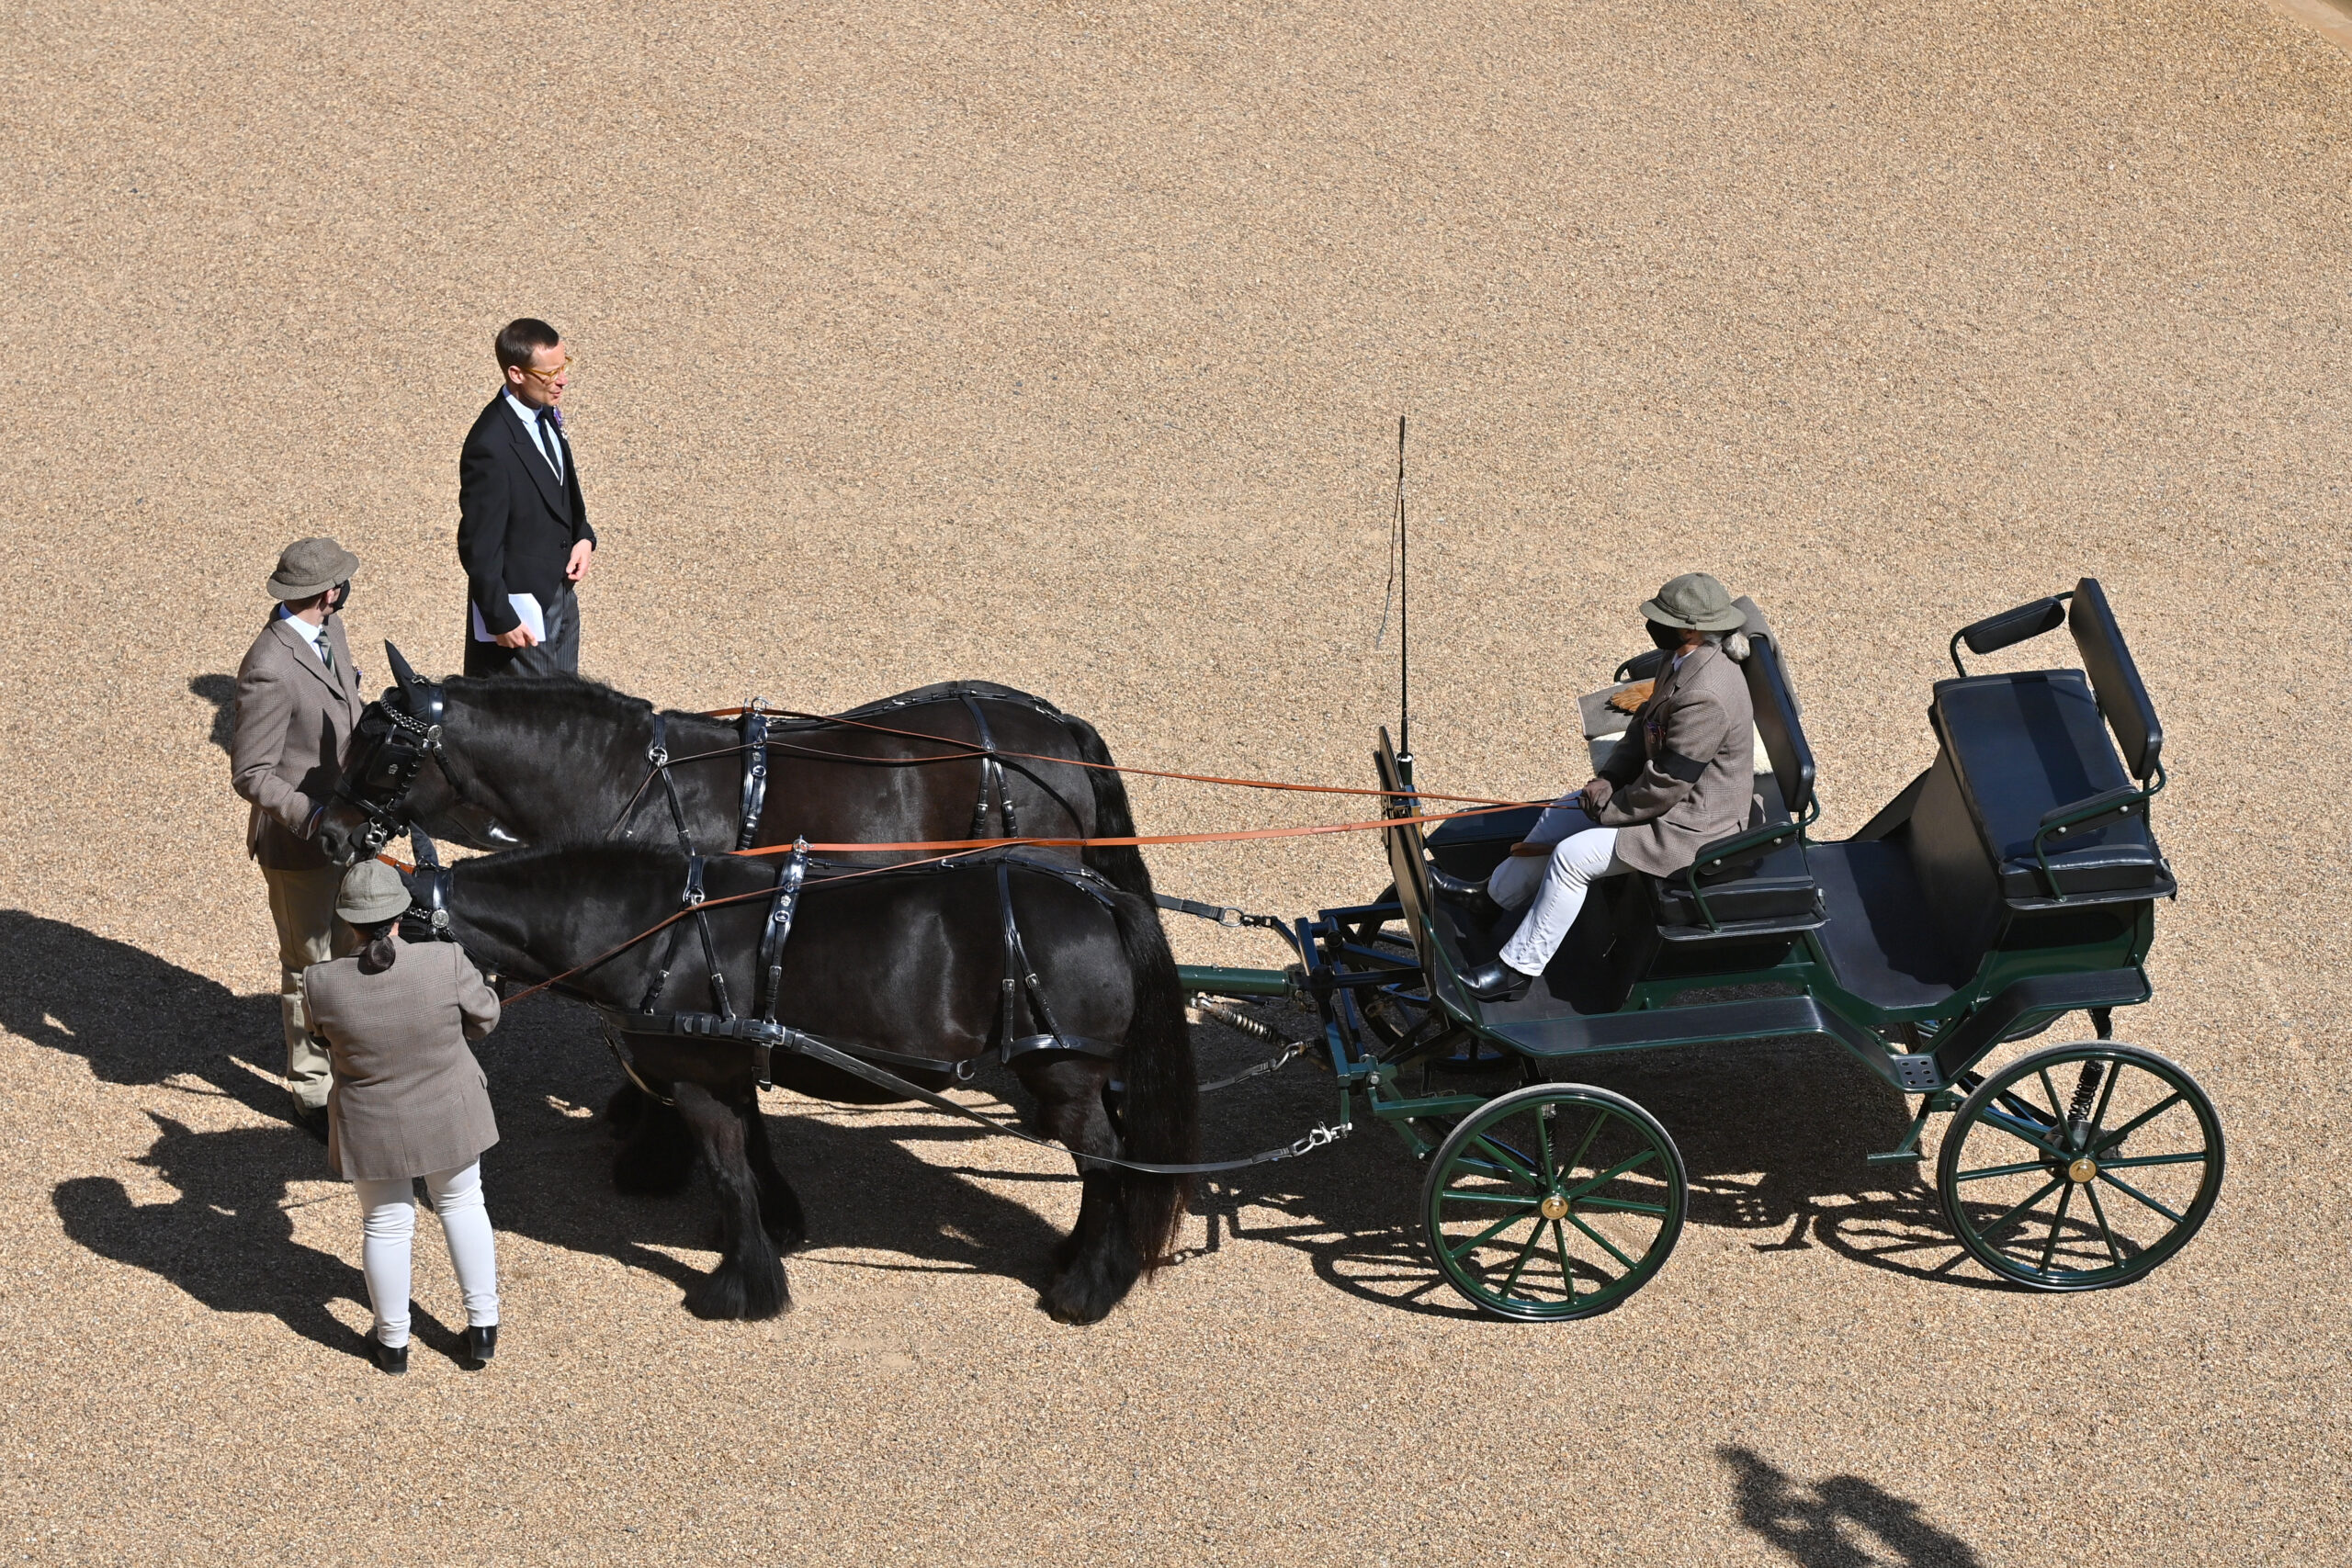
(1811, 1525)
(221, 691)
(228, 1239)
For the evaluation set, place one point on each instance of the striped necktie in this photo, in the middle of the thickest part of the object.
(551, 439)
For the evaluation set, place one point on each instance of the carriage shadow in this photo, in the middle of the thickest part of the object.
(1774, 1134)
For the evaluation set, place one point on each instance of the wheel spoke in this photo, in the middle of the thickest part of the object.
(2024, 1110)
(2057, 1107)
(1525, 1253)
(1997, 1226)
(1604, 1241)
(1509, 1199)
(2019, 1169)
(2105, 1233)
(1613, 1172)
(1456, 1253)
(1567, 1275)
(2106, 1094)
(1622, 1206)
(2144, 1197)
(1600, 1119)
(1543, 1142)
(1514, 1163)
(2200, 1157)
(2018, 1130)
(2141, 1119)
(2050, 1248)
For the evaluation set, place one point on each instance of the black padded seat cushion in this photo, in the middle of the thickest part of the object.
(2023, 744)
(1779, 886)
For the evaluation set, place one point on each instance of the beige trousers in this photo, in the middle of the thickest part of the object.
(302, 904)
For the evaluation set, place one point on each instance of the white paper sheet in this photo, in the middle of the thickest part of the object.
(526, 605)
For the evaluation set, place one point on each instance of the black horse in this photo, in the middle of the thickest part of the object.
(564, 761)
(907, 968)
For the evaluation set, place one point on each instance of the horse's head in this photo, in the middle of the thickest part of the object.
(397, 774)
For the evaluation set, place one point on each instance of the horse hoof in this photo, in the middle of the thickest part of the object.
(729, 1294)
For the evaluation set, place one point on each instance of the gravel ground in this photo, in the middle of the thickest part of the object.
(1062, 345)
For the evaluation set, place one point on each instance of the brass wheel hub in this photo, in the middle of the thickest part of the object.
(2082, 1168)
(1553, 1207)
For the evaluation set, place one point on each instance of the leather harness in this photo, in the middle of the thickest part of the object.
(763, 1035)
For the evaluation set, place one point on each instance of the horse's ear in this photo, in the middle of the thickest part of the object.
(400, 671)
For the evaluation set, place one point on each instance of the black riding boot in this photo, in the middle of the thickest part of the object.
(1471, 898)
(481, 1343)
(1496, 982)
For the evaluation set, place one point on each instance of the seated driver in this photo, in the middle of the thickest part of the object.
(1683, 777)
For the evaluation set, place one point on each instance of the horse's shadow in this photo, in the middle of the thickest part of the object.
(1774, 1134)
(228, 1239)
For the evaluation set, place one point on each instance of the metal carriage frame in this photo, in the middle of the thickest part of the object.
(2013, 883)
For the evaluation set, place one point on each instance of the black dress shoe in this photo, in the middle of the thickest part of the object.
(1476, 904)
(1496, 982)
(386, 1358)
(482, 1344)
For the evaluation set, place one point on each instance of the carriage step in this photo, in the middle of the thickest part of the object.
(1895, 1156)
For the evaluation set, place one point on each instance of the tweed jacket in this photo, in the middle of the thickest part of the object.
(294, 719)
(408, 1098)
(516, 521)
(1685, 773)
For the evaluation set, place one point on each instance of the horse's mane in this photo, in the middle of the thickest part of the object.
(564, 696)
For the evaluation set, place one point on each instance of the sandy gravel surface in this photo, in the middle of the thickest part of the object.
(1061, 346)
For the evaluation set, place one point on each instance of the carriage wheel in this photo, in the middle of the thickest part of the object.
(1557, 1201)
(2080, 1167)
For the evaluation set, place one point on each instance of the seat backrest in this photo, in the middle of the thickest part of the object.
(2122, 697)
(1778, 717)
(1408, 864)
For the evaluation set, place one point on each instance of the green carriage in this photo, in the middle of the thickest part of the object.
(2012, 882)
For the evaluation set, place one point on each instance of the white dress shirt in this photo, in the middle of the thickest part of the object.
(530, 418)
(304, 630)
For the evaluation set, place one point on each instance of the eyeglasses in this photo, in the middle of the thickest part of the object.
(569, 363)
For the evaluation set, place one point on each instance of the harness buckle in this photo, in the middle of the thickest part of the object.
(1318, 1135)
(694, 896)
(658, 755)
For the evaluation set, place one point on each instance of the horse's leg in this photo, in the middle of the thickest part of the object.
(1100, 1262)
(660, 1153)
(749, 1281)
(779, 1204)
(626, 1107)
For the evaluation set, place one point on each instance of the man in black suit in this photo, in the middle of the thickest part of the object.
(523, 529)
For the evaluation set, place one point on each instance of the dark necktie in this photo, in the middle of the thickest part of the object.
(551, 438)
(326, 653)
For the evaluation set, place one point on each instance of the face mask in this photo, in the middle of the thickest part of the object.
(1669, 638)
(340, 596)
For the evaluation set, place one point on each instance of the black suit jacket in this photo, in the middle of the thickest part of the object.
(516, 521)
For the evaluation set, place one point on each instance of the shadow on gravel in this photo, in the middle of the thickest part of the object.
(221, 691)
(227, 1240)
(1774, 1134)
(1817, 1526)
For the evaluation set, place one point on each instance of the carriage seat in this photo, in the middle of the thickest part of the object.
(2024, 745)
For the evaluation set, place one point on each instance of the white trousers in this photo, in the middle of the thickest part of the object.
(1552, 888)
(388, 1226)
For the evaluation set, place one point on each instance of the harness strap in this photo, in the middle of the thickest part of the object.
(991, 776)
(862, 1065)
(755, 773)
(772, 935)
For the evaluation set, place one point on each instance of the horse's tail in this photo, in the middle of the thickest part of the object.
(1121, 864)
(1161, 1113)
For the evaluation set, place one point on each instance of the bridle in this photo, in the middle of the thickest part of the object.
(389, 768)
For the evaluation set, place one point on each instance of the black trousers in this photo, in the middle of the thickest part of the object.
(557, 654)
